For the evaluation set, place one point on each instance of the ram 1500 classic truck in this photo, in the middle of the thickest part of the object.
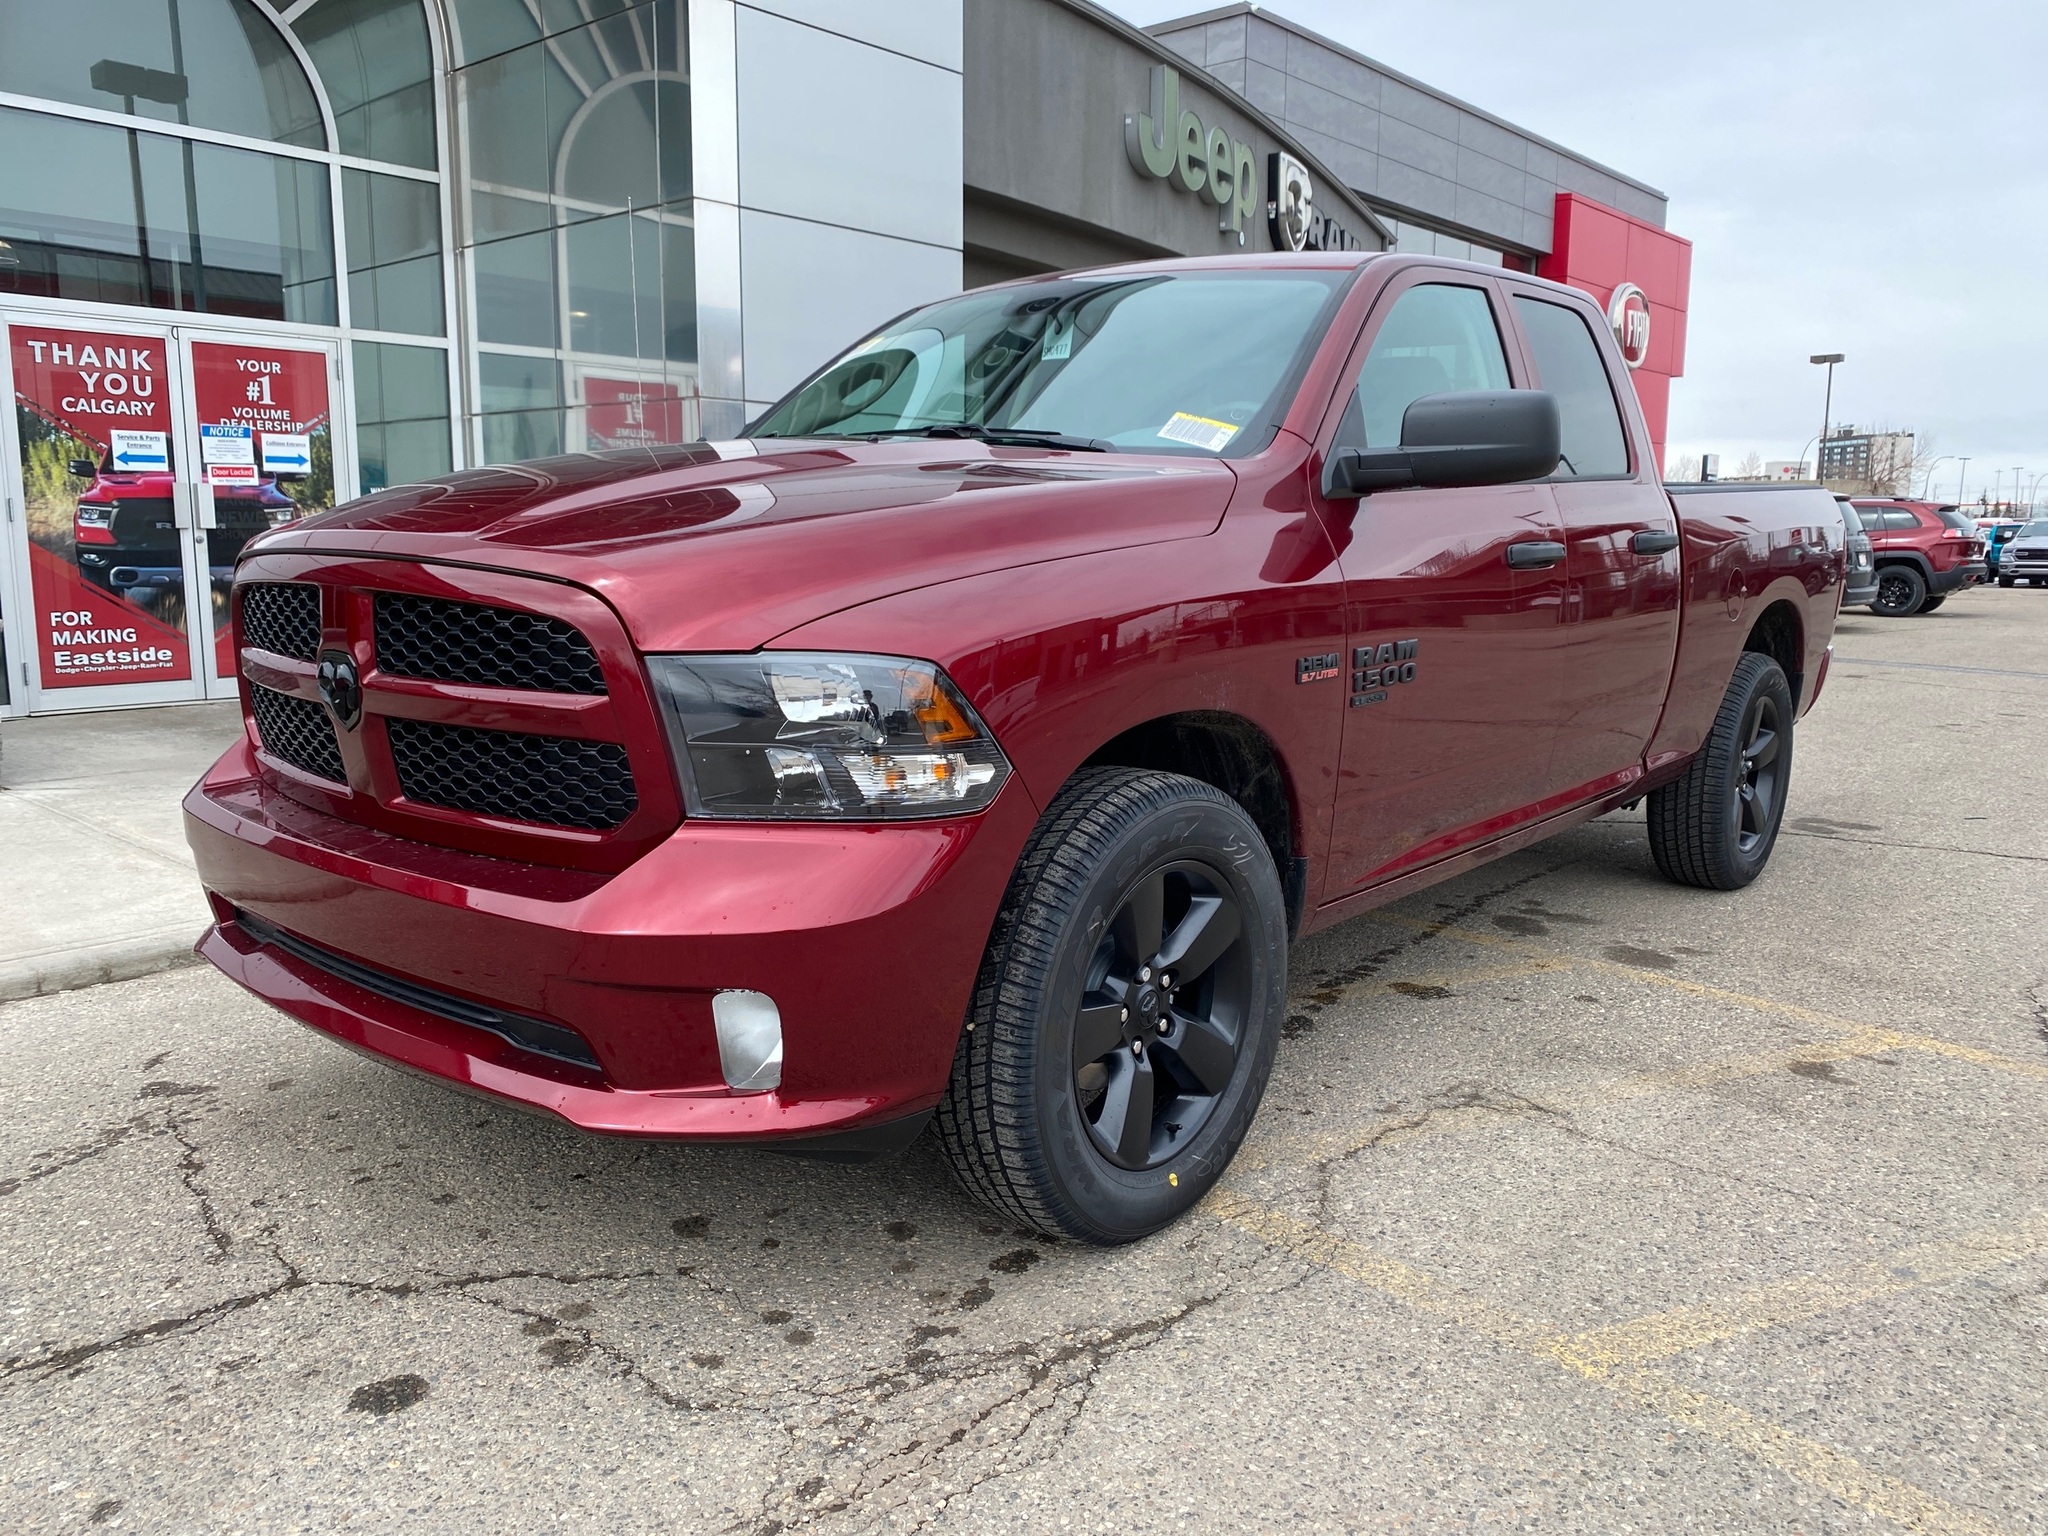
(964, 745)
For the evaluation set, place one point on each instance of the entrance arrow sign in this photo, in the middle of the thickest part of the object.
(139, 451)
(289, 453)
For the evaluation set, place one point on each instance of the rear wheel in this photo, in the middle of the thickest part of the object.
(1127, 1012)
(1716, 826)
(1900, 591)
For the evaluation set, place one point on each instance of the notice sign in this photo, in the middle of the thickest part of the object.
(226, 443)
(287, 453)
(140, 453)
(104, 556)
(231, 474)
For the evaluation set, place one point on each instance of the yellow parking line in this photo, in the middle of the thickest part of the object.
(1884, 1039)
(1810, 1460)
(1682, 1329)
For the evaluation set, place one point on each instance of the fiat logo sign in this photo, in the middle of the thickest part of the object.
(1629, 313)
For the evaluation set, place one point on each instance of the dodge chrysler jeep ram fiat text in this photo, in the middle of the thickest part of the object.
(965, 744)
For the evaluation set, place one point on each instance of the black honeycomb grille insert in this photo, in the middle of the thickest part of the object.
(444, 642)
(282, 617)
(298, 732)
(547, 779)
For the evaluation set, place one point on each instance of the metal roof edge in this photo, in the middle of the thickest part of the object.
(1242, 8)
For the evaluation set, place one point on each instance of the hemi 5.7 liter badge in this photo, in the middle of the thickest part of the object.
(1319, 669)
(1377, 668)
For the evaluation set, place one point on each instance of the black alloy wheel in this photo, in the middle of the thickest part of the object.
(1127, 1013)
(1715, 825)
(1758, 791)
(1156, 1035)
(1900, 591)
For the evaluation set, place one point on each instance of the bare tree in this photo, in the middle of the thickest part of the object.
(1751, 467)
(1685, 471)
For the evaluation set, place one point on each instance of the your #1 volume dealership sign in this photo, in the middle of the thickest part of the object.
(105, 562)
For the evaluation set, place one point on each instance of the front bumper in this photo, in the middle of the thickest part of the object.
(869, 938)
(1860, 589)
(2030, 570)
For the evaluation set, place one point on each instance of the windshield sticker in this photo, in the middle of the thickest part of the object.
(1200, 431)
(1059, 341)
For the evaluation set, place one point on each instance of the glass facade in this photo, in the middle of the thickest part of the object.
(1420, 240)
(488, 200)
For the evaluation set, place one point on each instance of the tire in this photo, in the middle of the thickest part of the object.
(1900, 591)
(2005, 581)
(1054, 1141)
(1715, 827)
(1931, 604)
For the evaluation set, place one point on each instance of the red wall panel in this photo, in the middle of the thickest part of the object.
(1597, 248)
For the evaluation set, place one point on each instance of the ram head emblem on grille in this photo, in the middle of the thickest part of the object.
(341, 688)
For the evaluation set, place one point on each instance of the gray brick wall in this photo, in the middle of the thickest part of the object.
(1408, 149)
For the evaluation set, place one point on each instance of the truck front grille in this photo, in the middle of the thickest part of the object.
(447, 642)
(547, 779)
(282, 617)
(296, 731)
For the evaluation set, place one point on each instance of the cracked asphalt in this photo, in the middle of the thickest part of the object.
(1579, 1202)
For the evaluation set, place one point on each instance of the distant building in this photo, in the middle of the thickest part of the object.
(1784, 469)
(1867, 463)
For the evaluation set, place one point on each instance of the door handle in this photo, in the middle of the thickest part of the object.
(1534, 554)
(1653, 541)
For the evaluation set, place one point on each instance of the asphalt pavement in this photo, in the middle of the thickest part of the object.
(1579, 1202)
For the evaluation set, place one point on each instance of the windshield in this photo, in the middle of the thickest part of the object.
(2034, 530)
(1196, 363)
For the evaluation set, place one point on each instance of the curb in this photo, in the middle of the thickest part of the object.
(67, 970)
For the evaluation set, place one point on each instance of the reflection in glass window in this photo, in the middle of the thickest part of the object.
(512, 383)
(1439, 338)
(171, 223)
(578, 135)
(374, 59)
(401, 414)
(1568, 365)
(218, 64)
(393, 226)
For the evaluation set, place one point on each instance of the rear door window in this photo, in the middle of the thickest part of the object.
(1568, 365)
(1900, 518)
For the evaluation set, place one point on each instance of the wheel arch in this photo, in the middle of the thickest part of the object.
(1237, 756)
(1780, 633)
(1913, 557)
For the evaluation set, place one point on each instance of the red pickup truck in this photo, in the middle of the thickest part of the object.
(964, 746)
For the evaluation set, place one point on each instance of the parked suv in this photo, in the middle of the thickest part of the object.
(2026, 556)
(127, 538)
(1997, 534)
(1924, 549)
(1859, 586)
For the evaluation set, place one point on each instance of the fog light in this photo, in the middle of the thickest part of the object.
(749, 1040)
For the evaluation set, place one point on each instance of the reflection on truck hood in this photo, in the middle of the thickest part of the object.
(726, 546)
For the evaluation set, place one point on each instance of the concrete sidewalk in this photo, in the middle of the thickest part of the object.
(96, 883)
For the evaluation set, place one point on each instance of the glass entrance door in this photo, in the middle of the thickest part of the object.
(136, 463)
(259, 417)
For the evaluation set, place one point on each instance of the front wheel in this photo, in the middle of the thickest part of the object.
(2005, 581)
(1128, 1009)
(1900, 591)
(1716, 826)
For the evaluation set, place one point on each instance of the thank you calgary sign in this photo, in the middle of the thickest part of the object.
(1171, 143)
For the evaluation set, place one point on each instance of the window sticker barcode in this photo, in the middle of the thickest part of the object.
(1199, 431)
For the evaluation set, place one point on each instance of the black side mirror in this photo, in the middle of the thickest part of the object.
(1478, 437)
(85, 469)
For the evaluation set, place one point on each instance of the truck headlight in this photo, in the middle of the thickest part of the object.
(799, 735)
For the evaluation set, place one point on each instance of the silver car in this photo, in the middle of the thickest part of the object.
(2026, 557)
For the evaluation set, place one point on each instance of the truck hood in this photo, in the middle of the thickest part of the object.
(724, 546)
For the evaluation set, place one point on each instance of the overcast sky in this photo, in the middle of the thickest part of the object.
(1867, 178)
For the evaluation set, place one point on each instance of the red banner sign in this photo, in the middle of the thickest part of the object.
(267, 389)
(629, 413)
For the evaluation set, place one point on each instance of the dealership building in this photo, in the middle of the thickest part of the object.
(258, 256)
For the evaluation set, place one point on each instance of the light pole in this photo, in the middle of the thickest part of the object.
(1927, 486)
(1826, 409)
(1962, 476)
(1802, 457)
(2017, 471)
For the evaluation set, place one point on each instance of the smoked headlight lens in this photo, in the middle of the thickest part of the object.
(794, 734)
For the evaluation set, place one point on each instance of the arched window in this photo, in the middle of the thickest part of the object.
(216, 64)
